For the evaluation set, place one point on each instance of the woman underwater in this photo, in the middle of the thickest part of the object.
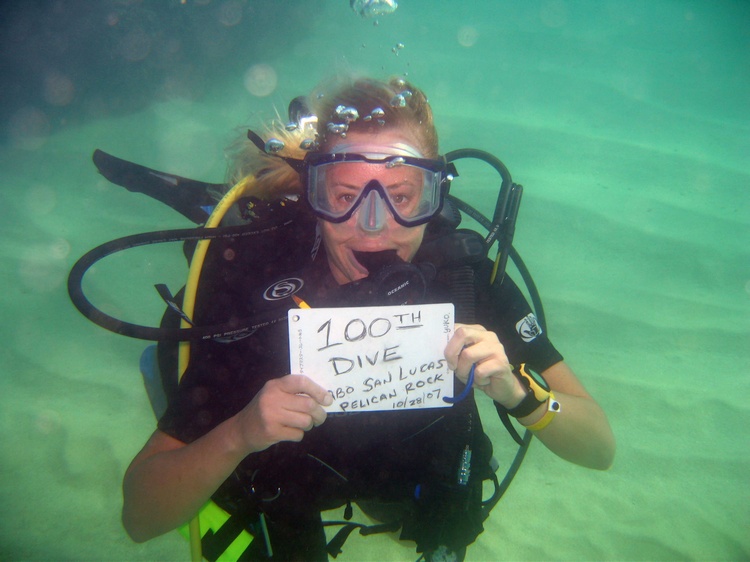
(244, 431)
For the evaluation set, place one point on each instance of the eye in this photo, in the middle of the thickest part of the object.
(341, 197)
(403, 195)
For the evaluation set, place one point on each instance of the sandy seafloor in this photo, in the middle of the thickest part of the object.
(627, 123)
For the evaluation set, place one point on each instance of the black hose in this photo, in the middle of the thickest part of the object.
(495, 162)
(229, 330)
(502, 229)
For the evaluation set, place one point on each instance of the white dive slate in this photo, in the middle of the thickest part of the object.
(375, 358)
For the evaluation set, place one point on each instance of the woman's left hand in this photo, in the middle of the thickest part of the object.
(474, 345)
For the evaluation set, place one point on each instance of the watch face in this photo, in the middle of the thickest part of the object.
(536, 377)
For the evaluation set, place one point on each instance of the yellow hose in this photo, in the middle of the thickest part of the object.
(188, 307)
(196, 264)
(495, 267)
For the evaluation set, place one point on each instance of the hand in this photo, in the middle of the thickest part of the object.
(283, 410)
(472, 344)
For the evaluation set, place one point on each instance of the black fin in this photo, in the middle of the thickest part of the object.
(191, 198)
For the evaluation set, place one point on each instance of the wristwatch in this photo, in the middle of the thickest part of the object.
(537, 393)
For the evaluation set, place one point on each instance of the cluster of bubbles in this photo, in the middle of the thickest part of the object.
(401, 99)
(378, 114)
(373, 8)
(343, 115)
(307, 124)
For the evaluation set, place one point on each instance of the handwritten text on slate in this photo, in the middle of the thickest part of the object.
(375, 358)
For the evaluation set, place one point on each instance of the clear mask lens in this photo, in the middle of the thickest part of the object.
(410, 188)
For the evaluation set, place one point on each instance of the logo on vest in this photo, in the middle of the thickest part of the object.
(283, 289)
(528, 328)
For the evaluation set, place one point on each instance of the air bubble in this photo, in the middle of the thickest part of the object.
(377, 114)
(261, 80)
(396, 162)
(43, 268)
(230, 13)
(308, 144)
(373, 8)
(398, 101)
(467, 36)
(58, 89)
(29, 128)
(274, 145)
(348, 114)
(136, 45)
(337, 128)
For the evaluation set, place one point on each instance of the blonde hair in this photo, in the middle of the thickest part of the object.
(393, 105)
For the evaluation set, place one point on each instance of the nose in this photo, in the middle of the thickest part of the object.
(372, 213)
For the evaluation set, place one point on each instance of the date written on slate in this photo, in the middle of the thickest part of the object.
(375, 358)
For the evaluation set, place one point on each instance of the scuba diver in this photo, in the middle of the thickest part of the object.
(341, 207)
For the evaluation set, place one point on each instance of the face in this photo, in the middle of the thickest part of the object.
(372, 227)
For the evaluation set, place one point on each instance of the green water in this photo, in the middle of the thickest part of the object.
(628, 124)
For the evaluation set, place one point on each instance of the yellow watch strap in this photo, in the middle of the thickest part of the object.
(553, 407)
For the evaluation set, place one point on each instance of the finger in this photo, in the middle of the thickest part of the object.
(478, 327)
(304, 404)
(289, 434)
(300, 384)
(486, 370)
(297, 420)
(319, 415)
(452, 351)
(469, 356)
(463, 336)
(484, 345)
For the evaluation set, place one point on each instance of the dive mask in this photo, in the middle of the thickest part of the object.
(411, 188)
(337, 184)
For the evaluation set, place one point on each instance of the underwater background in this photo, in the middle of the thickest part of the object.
(627, 122)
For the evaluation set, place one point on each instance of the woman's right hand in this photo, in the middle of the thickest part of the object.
(169, 481)
(283, 410)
